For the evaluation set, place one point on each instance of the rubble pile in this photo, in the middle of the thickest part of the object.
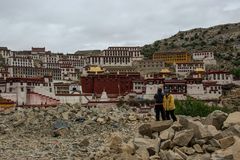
(64, 132)
(109, 133)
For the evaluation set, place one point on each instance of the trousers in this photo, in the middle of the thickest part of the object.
(159, 109)
(171, 113)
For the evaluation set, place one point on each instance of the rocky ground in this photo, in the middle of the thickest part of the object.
(75, 132)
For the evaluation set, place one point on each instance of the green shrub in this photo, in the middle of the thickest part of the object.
(236, 73)
(120, 103)
(191, 107)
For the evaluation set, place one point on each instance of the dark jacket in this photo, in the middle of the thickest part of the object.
(159, 98)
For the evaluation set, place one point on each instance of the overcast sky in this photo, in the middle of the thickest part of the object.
(70, 25)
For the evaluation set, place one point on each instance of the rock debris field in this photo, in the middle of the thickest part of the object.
(115, 133)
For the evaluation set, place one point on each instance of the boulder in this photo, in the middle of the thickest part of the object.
(216, 118)
(182, 138)
(200, 141)
(197, 148)
(170, 155)
(180, 153)
(236, 149)
(183, 120)
(187, 150)
(214, 143)
(176, 126)
(209, 148)
(166, 145)
(232, 131)
(142, 153)
(223, 154)
(226, 142)
(162, 155)
(158, 126)
(152, 144)
(145, 130)
(232, 119)
(205, 156)
(200, 131)
(115, 141)
(212, 130)
(155, 157)
(101, 120)
(128, 148)
(65, 115)
(167, 134)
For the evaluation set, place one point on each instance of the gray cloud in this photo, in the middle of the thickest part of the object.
(70, 25)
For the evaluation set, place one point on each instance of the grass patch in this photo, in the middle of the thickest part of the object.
(192, 107)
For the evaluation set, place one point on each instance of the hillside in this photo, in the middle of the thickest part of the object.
(224, 40)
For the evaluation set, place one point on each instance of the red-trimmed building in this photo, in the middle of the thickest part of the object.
(176, 86)
(221, 77)
(115, 84)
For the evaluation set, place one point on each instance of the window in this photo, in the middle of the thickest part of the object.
(22, 89)
(50, 89)
(10, 89)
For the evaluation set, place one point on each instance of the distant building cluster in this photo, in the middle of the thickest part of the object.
(38, 77)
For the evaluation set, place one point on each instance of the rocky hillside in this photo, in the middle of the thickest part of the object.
(224, 40)
(75, 132)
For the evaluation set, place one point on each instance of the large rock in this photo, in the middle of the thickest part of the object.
(187, 150)
(101, 120)
(226, 142)
(216, 118)
(145, 130)
(65, 115)
(232, 131)
(128, 148)
(236, 149)
(171, 155)
(183, 120)
(232, 119)
(212, 130)
(167, 134)
(209, 148)
(197, 148)
(223, 154)
(166, 144)
(176, 126)
(183, 137)
(115, 141)
(214, 143)
(158, 126)
(152, 144)
(200, 131)
(142, 153)
(179, 152)
(205, 156)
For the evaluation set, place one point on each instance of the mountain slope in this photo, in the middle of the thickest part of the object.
(224, 40)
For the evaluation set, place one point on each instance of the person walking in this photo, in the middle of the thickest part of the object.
(159, 105)
(169, 105)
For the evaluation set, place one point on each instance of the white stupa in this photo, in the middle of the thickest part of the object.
(104, 96)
